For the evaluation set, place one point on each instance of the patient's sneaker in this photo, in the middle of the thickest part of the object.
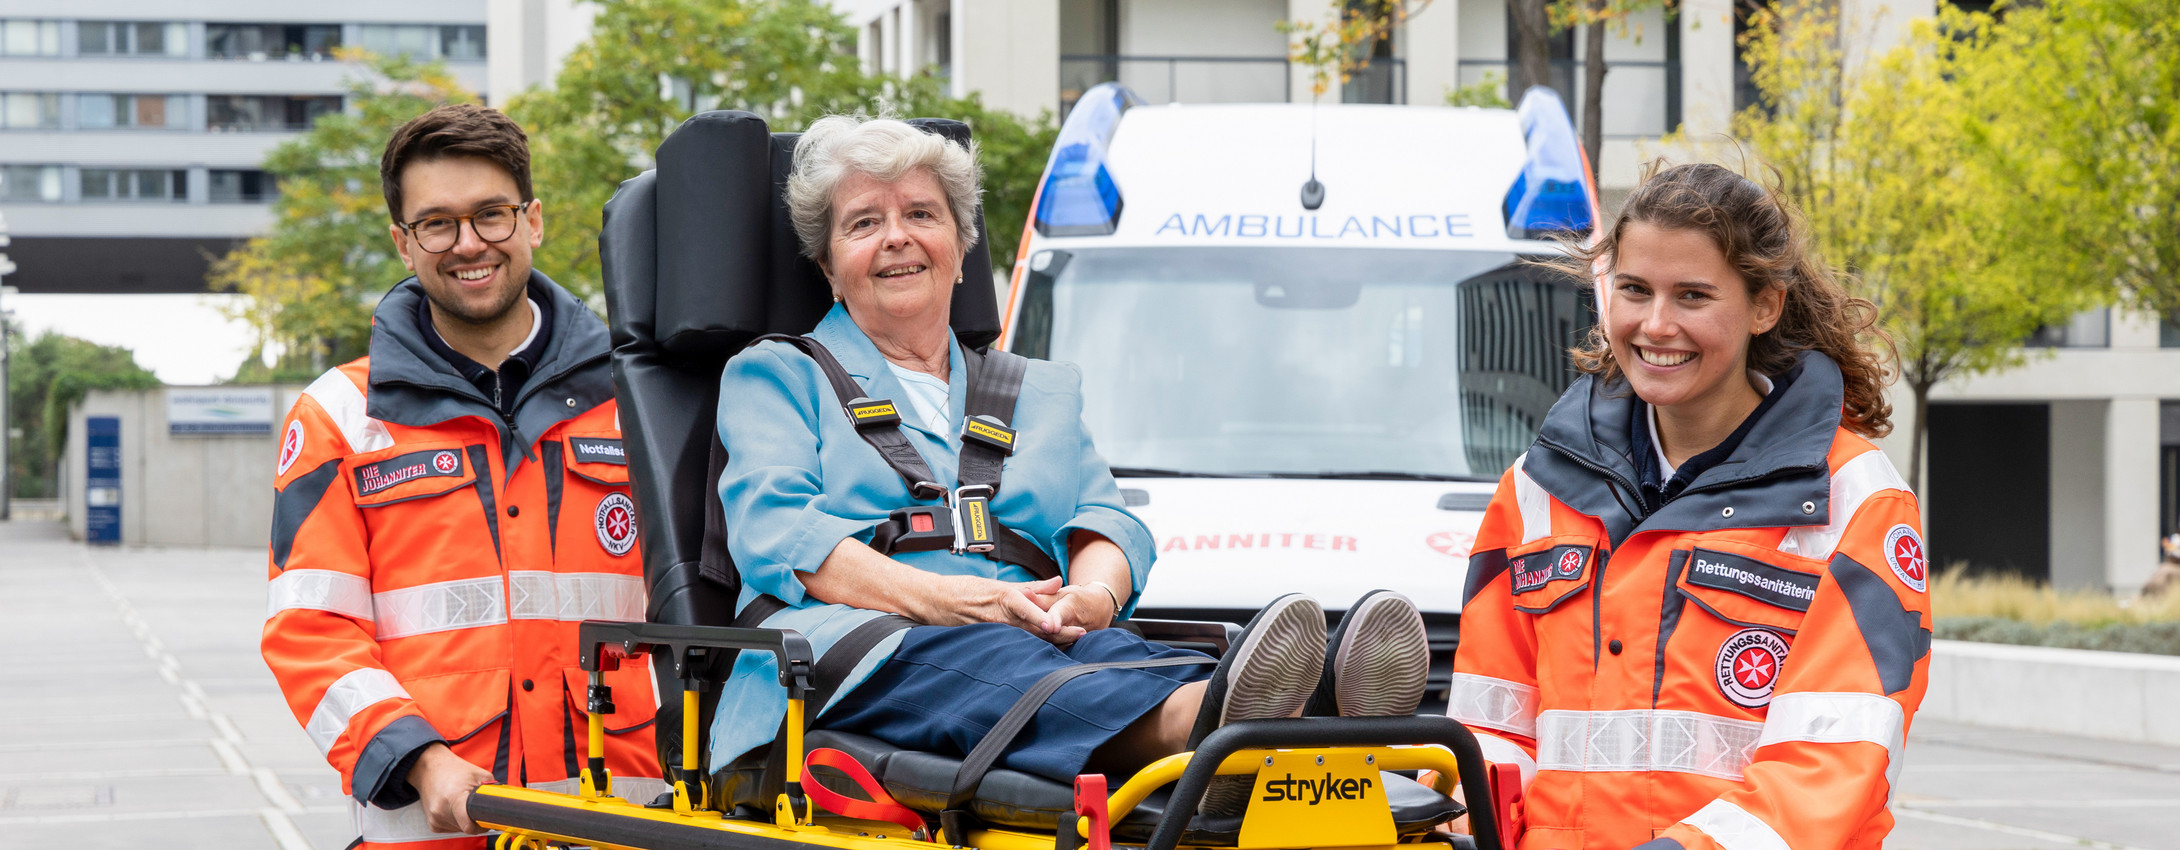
(1377, 661)
(1267, 674)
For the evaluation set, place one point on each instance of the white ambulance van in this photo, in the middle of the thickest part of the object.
(1308, 340)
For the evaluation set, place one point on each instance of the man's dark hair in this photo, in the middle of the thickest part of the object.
(455, 129)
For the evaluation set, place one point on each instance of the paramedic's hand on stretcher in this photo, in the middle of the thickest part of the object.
(855, 574)
(444, 780)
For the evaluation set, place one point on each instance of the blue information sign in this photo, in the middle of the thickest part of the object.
(102, 479)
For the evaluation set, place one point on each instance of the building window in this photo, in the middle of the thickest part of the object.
(30, 111)
(259, 42)
(2087, 329)
(461, 43)
(117, 38)
(107, 111)
(243, 187)
(423, 41)
(135, 184)
(30, 38)
(247, 113)
(30, 183)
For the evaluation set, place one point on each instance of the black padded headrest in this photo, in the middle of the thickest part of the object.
(729, 266)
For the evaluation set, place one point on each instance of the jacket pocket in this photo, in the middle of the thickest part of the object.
(1772, 590)
(634, 703)
(415, 471)
(598, 458)
(460, 704)
(1546, 573)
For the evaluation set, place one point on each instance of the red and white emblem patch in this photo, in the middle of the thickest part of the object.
(616, 520)
(291, 446)
(1748, 666)
(1904, 553)
(446, 462)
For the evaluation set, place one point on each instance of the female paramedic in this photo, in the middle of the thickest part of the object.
(1696, 614)
(847, 530)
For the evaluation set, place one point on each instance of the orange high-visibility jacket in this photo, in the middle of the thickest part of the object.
(1735, 670)
(430, 561)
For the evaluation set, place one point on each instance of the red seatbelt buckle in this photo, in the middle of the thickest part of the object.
(924, 528)
(1091, 812)
(1506, 801)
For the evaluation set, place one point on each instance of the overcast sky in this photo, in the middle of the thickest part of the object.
(181, 338)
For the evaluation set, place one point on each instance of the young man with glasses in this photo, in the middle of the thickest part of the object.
(451, 506)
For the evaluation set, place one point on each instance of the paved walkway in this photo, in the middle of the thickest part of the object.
(135, 712)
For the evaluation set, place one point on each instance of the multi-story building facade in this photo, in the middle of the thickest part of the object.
(133, 132)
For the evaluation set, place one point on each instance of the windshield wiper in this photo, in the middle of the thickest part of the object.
(1384, 475)
(1150, 472)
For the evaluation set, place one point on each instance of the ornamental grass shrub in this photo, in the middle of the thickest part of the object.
(2013, 610)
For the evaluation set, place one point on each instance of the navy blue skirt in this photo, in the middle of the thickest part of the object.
(948, 685)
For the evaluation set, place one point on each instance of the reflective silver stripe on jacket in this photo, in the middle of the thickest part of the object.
(1535, 504)
(635, 789)
(538, 595)
(1839, 718)
(439, 607)
(1493, 704)
(319, 590)
(344, 404)
(575, 597)
(1734, 828)
(395, 826)
(350, 694)
(1645, 739)
(1861, 477)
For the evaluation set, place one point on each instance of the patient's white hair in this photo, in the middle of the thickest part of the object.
(885, 149)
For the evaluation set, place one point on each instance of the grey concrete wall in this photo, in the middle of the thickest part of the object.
(2122, 696)
(177, 490)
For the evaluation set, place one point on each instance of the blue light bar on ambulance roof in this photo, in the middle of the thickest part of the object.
(1552, 193)
(1079, 197)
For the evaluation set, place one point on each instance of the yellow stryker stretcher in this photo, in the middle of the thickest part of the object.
(698, 259)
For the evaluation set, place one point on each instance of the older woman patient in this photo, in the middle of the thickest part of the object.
(943, 641)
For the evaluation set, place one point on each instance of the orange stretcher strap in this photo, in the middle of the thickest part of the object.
(881, 806)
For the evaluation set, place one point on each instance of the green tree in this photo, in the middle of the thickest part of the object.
(651, 64)
(2077, 122)
(1884, 162)
(313, 280)
(48, 374)
(1597, 17)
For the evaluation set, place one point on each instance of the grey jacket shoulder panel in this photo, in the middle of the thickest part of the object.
(411, 385)
(1583, 456)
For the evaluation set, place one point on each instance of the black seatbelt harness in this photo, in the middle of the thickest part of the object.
(963, 521)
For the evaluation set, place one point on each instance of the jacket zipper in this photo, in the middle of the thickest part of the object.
(1597, 578)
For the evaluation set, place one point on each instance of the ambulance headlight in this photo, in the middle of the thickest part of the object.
(1079, 197)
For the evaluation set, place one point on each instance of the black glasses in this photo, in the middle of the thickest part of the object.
(437, 234)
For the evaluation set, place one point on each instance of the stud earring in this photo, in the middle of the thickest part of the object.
(958, 279)
(836, 297)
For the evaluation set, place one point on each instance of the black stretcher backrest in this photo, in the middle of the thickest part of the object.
(699, 259)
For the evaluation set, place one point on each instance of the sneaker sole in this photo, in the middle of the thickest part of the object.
(1273, 674)
(1384, 661)
(1269, 675)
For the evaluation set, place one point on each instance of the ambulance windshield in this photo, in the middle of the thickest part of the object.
(1307, 362)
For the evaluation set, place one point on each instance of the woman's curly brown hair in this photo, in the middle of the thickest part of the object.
(1765, 239)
